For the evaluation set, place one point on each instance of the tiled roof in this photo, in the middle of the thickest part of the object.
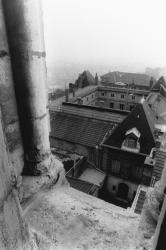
(128, 78)
(159, 165)
(76, 129)
(143, 119)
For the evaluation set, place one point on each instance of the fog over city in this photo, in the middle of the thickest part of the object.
(103, 35)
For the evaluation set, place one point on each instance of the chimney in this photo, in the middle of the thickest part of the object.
(66, 95)
(151, 82)
(24, 26)
(96, 79)
(73, 91)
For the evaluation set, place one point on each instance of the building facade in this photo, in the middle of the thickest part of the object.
(115, 97)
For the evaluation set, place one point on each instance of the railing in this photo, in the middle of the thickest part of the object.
(77, 169)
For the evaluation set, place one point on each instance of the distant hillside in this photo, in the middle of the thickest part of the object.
(64, 73)
(156, 72)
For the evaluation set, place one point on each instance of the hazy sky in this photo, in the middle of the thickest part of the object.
(106, 31)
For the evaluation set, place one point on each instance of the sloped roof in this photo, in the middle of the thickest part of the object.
(80, 185)
(156, 86)
(159, 165)
(76, 129)
(86, 78)
(144, 120)
(93, 175)
(128, 78)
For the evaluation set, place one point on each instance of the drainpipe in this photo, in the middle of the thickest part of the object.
(24, 26)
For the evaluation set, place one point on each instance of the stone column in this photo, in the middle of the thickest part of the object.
(8, 105)
(24, 27)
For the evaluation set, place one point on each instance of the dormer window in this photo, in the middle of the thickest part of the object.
(131, 142)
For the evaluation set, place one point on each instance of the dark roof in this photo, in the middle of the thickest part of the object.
(156, 86)
(128, 78)
(144, 120)
(76, 129)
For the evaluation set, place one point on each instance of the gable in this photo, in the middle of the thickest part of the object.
(143, 121)
(133, 132)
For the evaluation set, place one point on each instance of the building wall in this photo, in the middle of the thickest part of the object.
(108, 96)
(115, 181)
(88, 99)
(116, 98)
(96, 113)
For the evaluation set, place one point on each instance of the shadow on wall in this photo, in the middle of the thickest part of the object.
(120, 198)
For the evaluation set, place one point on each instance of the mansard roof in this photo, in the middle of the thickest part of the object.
(141, 118)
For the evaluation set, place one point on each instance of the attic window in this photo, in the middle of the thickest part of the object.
(130, 142)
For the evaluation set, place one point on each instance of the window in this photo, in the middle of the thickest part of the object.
(122, 96)
(87, 98)
(103, 94)
(133, 97)
(114, 188)
(115, 166)
(121, 106)
(111, 105)
(112, 94)
(130, 142)
(126, 169)
(137, 172)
